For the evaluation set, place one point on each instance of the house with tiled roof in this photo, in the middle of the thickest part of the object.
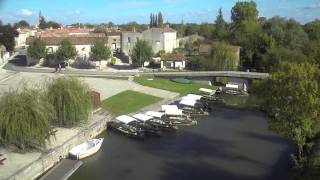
(173, 61)
(82, 39)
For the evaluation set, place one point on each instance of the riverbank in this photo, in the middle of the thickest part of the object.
(31, 165)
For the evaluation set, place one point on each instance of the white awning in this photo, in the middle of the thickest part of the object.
(194, 96)
(174, 112)
(210, 91)
(155, 114)
(142, 117)
(188, 102)
(171, 107)
(233, 86)
(125, 119)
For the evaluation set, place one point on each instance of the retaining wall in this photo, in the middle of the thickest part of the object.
(48, 160)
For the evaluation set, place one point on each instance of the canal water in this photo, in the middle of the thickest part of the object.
(228, 144)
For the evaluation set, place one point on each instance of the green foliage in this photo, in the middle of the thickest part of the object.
(292, 100)
(313, 29)
(25, 118)
(244, 11)
(70, 99)
(222, 57)
(43, 24)
(22, 24)
(7, 35)
(128, 101)
(66, 51)
(168, 85)
(220, 30)
(287, 33)
(206, 30)
(99, 29)
(141, 52)
(275, 56)
(37, 49)
(100, 51)
(113, 61)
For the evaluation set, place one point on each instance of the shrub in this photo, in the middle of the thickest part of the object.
(83, 64)
(71, 101)
(25, 118)
(113, 61)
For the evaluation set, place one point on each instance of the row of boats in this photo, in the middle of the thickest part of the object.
(171, 116)
(153, 123)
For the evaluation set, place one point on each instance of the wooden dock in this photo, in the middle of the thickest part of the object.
(63, 170)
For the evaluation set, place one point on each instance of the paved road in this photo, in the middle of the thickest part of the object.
(18, 64)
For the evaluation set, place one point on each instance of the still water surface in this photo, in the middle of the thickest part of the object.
(228, 144)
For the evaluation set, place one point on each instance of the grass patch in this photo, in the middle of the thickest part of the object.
(167, 84)
(127, 102)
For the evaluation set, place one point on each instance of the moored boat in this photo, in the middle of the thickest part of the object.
(192, 105)
(86, 149)
(176, 116)
(126, 125)
(148, 128)
(159, 121)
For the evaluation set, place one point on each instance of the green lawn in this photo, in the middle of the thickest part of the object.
(127, 102)
(167, 84)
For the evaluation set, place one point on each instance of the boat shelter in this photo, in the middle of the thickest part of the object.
(173, 112)
(142, 117)
(166, 107)
(155, 114)
(207, 91)
(125, 119)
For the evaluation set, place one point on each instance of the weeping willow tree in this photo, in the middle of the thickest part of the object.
(25, 118)
(71, 101)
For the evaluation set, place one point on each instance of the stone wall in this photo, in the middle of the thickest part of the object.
(48, 160)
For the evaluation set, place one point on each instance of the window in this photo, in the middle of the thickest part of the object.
(114, 39)
(50, 50)
(129, 39)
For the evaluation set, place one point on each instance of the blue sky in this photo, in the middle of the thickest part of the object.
(122, 11)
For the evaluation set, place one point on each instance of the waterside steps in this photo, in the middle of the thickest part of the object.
(63, 170)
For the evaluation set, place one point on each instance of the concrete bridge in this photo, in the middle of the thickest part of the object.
(231, 74)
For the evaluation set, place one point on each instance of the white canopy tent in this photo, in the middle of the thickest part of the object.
(194, 96)
(171, 107)
(142, 117)
(173, 112)
(125, 119)
(188, 102)
(155, 114)
(232, 86)
(208, 91)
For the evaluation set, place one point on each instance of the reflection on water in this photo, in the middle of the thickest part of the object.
(229, 144)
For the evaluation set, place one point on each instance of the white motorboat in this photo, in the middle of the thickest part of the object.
(86, 149)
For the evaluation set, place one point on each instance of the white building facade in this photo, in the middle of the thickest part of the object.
(160, 39)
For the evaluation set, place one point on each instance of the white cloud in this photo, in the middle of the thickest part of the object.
(313, 6)
(25, 13)
(77, 11)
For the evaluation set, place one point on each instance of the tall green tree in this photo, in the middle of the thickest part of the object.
(7, 36)
(313, 30)
(22, 24)
(141, 52)
(25, 118)
(291, 98)
(70, 99)
(100, 51)
(244, 11)
(222, 57)
(220, 30)
(37, 49)
(66, 51)
(160, 20)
